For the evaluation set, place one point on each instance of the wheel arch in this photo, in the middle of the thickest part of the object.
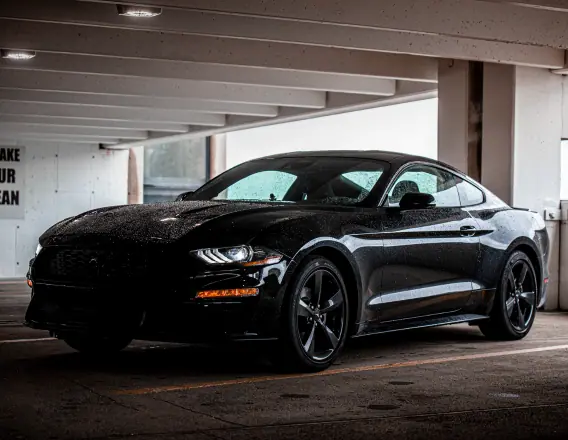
(342, 259)
(529, 249)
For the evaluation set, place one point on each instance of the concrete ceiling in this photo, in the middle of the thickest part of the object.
(210, 66)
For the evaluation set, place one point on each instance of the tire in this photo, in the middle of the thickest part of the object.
(514, 307)
(96, 345)
(313, 332)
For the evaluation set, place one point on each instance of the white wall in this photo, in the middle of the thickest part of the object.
(61, 180)
(406, 128)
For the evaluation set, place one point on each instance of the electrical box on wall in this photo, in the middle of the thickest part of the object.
(553, 214)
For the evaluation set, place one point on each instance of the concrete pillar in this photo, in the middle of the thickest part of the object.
(520, 160)
(498, 129)
(537, 139)
(136, 176)
(563, 260)
(460, 95)
(537, 143)
(508, 138)
(218, 151)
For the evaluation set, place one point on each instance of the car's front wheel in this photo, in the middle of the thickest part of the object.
(515, 302)
(96, 345)
(315, 317)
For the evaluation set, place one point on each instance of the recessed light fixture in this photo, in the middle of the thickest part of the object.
(13, 54)
(138, 11)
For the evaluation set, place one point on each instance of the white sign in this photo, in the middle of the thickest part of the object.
(12, 182)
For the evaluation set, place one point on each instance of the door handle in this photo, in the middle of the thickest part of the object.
(468, 231)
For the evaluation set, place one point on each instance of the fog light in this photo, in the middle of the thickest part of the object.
(227, 293)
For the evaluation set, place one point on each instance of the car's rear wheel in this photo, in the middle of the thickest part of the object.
(514, 308)
(315, 318)
(96, 345)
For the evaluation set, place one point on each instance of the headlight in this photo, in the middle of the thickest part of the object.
(38, 249)
(243, 255)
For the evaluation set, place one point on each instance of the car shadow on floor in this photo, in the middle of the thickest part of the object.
(158, 360)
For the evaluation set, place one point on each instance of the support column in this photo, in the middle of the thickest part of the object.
(218, 158)
(537, 143)
(498, 129)
(136, 176)
(508, 137)
(520, 161)
(460, 99)
(563, 260)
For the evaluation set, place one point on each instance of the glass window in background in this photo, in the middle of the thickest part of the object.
(174, 168)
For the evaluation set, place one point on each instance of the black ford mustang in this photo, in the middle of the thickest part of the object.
(302, 249)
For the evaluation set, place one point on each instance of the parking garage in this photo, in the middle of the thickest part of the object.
(95, 97)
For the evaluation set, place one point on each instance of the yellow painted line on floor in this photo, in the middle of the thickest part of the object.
(19, 341)
(332, 372)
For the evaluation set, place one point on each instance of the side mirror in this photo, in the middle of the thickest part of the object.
(184, 196)
(417, 201)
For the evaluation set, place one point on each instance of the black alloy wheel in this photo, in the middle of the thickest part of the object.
(521, 295)
(316, 318)
(320, 314)
(515, 304)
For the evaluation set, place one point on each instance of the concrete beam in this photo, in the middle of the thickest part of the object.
(111, 113)
(458, 18)
(156, 103)
(43, 140)
(286, 78)
(150, 87)
(412, 93)
(124, 43)
(94, 123)
(40, 129)
(552, 5)
(343, 102)
(24, 137)
(286, 31)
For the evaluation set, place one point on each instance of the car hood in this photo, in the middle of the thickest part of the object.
(153, 223)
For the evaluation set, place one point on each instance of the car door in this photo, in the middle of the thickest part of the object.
(430, 254)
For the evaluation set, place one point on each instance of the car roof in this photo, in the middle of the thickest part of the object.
(386, 156)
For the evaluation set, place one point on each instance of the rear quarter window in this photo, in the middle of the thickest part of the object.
(469, 194)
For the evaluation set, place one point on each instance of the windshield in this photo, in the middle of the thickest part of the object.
(328, 180)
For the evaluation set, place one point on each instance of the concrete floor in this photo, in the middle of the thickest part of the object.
(437, 383)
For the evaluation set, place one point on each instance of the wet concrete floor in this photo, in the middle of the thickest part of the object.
(447, 382)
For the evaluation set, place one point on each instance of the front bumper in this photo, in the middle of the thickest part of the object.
(163, 311)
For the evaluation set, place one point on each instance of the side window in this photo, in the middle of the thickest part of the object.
(428, 180)
(469, 194)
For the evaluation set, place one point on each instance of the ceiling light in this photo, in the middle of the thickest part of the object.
(138, 11)
(12, 54)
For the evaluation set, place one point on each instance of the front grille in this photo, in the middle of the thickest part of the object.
(91, 265)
